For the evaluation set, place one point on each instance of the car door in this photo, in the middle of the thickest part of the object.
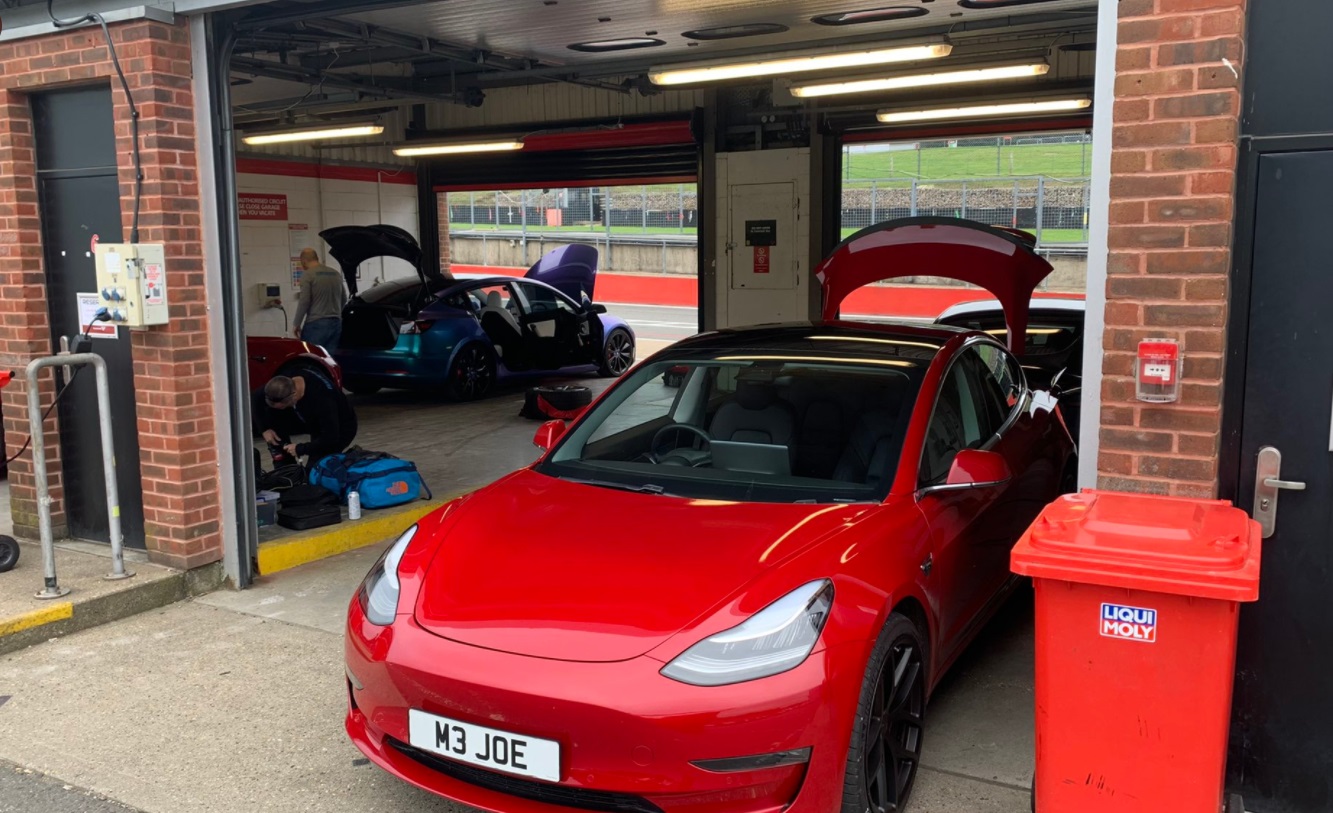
(553, 325)
(965, 524)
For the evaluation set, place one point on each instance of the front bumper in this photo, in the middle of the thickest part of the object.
(628, 736)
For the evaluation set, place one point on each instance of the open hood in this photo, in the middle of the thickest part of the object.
(571, 270)
(1003, 261)
(353, 245)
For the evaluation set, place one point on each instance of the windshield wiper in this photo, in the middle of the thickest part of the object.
(646, 488)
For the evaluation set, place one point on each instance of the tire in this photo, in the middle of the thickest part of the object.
(472, 373)
(617, 354)
(9, 553)
(565, 398)
(889, 723)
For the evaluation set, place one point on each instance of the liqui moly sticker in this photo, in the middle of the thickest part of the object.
(1130, 623)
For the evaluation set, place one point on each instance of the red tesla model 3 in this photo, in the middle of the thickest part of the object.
(735, 594)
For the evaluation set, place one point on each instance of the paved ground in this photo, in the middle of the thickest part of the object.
(23, 790)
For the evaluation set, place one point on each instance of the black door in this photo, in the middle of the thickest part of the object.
(1282, 734)
(80, 197)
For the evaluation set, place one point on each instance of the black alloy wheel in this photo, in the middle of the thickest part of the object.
(619, 354)
(472, 374)
(885, 751)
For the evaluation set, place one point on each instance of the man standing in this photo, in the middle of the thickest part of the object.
(319, 308)
(316, 407)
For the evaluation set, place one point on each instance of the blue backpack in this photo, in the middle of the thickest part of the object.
(381, 479)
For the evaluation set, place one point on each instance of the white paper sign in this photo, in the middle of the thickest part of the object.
(88, 305)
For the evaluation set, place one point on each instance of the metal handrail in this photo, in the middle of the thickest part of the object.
(51, 588)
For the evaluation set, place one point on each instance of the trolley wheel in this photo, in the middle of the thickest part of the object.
(9, 553)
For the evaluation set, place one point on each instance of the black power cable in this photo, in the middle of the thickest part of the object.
(134, 109)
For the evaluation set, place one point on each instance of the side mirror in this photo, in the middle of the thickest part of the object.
(595, 308)
(547, 434)
(974, 468)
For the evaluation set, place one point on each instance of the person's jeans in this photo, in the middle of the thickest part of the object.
(323, 332)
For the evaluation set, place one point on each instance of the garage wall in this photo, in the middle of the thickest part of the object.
(317, 203)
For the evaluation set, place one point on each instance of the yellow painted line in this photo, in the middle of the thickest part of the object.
(321, 543)
(36, 618)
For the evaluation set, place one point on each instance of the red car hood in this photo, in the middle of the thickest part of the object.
(543, 567)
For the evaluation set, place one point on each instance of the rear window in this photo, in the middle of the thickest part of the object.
(1046, 334)
(396, 292)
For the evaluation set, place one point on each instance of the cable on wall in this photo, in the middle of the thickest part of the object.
(134, 109)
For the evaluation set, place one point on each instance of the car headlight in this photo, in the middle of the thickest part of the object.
(773, 640)
(379, 591)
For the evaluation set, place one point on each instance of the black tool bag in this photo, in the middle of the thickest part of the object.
(305, 494)
(281, 479)
(303, 517)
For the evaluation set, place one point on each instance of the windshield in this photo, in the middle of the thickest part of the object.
(771, 429)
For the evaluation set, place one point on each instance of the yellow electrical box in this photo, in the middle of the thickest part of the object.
(132, 283)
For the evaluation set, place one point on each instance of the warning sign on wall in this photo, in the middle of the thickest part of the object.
(761, 259)
(255, 206)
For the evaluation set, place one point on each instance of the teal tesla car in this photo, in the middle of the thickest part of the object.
(461, 335)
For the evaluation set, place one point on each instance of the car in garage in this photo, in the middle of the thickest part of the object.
(269, 356)
(463, 334)
(791, 548)
(1053, 346)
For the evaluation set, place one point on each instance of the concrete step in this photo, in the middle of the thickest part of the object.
(92, 599)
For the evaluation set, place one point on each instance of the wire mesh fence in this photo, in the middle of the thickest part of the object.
(664, 209)
(1054, 209)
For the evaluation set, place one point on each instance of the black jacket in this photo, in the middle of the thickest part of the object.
(328, 416)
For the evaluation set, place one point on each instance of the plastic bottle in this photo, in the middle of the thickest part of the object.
(354, 505)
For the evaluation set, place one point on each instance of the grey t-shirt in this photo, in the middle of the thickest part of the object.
(323, 295)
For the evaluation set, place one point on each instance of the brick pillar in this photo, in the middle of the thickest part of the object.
(1173, 165)
(172, 368)
(442, 212)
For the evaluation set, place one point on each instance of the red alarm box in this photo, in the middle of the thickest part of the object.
(1157, 371)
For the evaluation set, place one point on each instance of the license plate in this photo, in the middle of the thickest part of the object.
(485, 747)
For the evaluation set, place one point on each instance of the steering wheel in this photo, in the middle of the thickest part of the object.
(658, 455)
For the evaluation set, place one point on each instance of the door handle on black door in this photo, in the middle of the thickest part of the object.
(1267, 484)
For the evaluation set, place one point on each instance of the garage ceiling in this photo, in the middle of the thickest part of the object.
(441, 49)
(544, 30)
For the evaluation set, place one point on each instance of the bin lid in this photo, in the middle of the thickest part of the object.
(1190, 547)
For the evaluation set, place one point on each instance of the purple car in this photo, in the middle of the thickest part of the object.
(462, 334)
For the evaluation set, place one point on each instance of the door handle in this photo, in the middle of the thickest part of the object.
(1289, 485)
(1267, 483)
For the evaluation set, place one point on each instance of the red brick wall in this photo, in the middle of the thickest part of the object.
(175, 412)
(1173, 166)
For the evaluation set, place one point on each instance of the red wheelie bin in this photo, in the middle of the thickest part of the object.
(1137, 602)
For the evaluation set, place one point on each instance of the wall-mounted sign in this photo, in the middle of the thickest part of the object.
(88, 307)
(298, 239)
(256, 206)
(761, 260)
(761, 232)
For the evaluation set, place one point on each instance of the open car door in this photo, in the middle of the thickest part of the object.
(571, 270)
(1002, 261)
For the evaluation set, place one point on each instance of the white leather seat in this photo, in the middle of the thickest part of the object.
(494, 305)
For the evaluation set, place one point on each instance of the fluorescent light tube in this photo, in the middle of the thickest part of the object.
(796, 64)
(984, 110)
(921, 80)
(314, 134)
(453, 149)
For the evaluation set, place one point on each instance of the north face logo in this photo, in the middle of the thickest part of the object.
(398, 487)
